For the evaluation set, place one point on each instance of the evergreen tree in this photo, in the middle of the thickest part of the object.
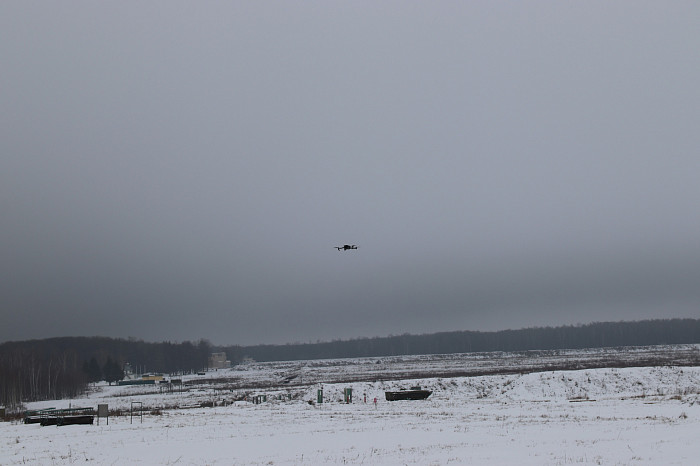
(112, 371)
(92, 370)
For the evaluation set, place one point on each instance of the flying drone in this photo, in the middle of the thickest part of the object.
(345, 247)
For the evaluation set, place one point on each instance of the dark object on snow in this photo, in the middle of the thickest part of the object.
(49, 421)
(60, 417)
(34, 417)
(77, 419)
(136, 382)
(415, 393)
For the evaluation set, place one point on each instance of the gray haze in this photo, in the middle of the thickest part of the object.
(182, 170)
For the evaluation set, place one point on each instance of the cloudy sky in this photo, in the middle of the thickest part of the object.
(182, 170)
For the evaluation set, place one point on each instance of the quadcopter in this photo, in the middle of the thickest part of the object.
(345, 247)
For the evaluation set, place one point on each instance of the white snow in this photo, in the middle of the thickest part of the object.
(647, 415)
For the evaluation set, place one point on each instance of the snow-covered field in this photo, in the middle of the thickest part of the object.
(638, 415)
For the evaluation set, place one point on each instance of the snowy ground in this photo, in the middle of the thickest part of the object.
(648, 415)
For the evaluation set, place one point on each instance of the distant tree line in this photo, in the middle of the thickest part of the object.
(57, 368)
(63, 367)
(595, 335)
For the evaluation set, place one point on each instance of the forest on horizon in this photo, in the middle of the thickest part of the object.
(61, 367)
(594, 335)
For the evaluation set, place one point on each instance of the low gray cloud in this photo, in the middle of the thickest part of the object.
(180, 172)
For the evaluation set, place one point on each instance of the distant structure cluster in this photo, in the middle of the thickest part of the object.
(219, 361)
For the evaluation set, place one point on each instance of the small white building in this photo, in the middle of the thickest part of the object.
(219, 361)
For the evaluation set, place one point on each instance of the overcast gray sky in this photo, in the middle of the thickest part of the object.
(182, 170)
